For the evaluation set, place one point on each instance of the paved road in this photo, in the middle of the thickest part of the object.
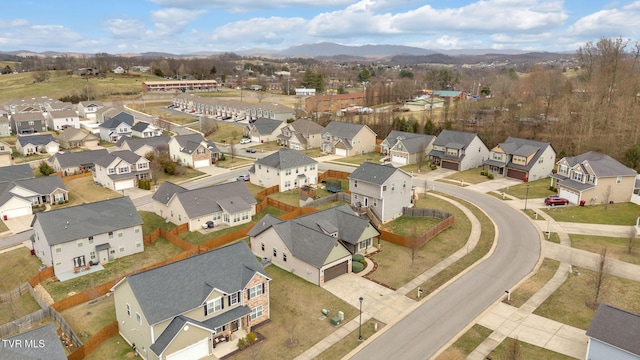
(15, 239)
(427, 329)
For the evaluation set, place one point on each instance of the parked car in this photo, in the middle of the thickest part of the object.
(245, 141)
(208, 225)
(243, 177)
(555, 200)
(251, 150)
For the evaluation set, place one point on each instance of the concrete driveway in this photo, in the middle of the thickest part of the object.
(19, 224)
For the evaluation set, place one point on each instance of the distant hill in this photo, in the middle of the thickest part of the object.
(332, 49)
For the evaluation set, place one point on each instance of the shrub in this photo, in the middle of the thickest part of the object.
(490, 176)
(357, 257)
(434, 167)
(242, 343)
(482, 173)
(251, 338)
(356, 267)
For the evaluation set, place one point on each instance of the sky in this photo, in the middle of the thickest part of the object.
(196, 26)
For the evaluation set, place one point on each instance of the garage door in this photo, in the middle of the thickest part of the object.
(255, 139)
(193, 352)
(450, 165)
(572, 196)
(516, 174)
(341, 152)
(336, 270)
(124, 184)
(399, 159)
(16, 212)
(200, 163)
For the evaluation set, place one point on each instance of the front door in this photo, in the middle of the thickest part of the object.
(103, 255)
(366, 201)
(235, 325)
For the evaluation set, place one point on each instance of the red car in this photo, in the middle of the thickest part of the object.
(555, 200)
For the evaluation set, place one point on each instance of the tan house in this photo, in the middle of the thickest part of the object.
(36, 144)
(264, 130)
(347, 139)
(405, 148)
(19, 196)
(143, 146)
(88, 109)
(71, 138)
(5, 154)
(301, 134)
(119, 170)
(192, 150)
(225, 204)
(316, 247)
(594, 178)
(193, 308)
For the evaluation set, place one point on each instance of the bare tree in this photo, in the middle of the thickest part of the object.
(420, 156)
(291, 326)
(414, 244)
(600, 278)
(606, 196)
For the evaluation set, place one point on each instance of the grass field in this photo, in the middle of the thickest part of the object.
(523, 292)
(537, 189)
(350, 342)
(615, 214)
(83, 190)
(471, 176)
(466, 343)
(88, 318)
(113, 348)
(506, 350)
(17, 308)
(617, 248)
(16, 267)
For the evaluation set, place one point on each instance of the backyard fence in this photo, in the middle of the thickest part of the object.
(14, 294)
(341, 196)
(411, 242)
(333, 174)
(94, 342)
(73, 177)
(42, 275)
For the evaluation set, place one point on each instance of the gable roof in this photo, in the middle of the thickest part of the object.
(42, 185)
(411, 141)
(175, 288)
(35, 140)
(343, 129)
(72, 133)
(126, 155)
(140, 126)
(124, 117)
(58, 114)
(46, 341)
(601, 164)
(526, 148)
(454, 139)
(136, 143)
(86, 220)
(70, 159)
(16, 172)
(266, 126)
(616, 327)
(27, 116)
(306, 126)
(374, 173)
(286, 158)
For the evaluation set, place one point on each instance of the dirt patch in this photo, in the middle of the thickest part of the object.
(44, 294)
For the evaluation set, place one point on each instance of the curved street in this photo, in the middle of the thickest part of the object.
(422, 333)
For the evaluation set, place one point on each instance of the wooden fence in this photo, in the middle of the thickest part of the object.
(14, 294)
(341, 196)
(410, 242)
(333, 174)
(94, 342)
(42, 275)
(226, 238)
(73, 177)
(267, 191)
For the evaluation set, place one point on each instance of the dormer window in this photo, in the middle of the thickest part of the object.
(213, 306)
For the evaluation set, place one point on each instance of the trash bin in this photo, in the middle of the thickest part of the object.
(581, 202)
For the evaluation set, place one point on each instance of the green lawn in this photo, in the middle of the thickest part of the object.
(152, 221)
(113, 348)
(524, 351)
(471, 176)
(16, 267)
(411, 226)
(189, 173)
(534, 283)
(466, 343)
(88, 318)
(296, 306)
(356, 160)
(160, 250)
(350, 342)
(568, 304)
(227, 133)
(18, 308)
(615, 214)
(394, 261)
(617, 248)
(537, 189)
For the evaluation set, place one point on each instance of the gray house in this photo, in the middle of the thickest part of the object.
(74, 238)
(614, 334)
(301, 134)
(264, 130)
(406, 148)
(458, 150)
(186, 309)
(115, 127)
(316, 247)
(28, 123)
(70, 163)
(37, 144)
(521, 159)
(384, 189)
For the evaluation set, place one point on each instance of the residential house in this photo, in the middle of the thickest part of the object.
(28, 123)
(594, 178)
(6, 154)
(119, 70)
(384, 189)
(5, 125)
(103, 113)
(88, 109)
(71, 163)
(635, 197)
(72, 239)
(37, 144)
(42, 342)
(144, 146)
(189, 308)
(119, 170)
(290, 169)
(301, 134)
(613, 334)
(456, 150)
(17, 197)
(406, 148)
(113, 128)
(143, 129)
(264, 130)
(521, 159)
(317, 247)
(424, 104)
(225, 204)
(71, 138)
(16, 172)
(347, 139)
(192, 150)
(62, 119)
(50, 106)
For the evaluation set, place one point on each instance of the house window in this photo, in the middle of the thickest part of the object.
(275, 252)
(577, 176)
(200, 151)
(375, 202)
(112, 171)
(58, 197)
(287, 172)
(80, 243)
(138, 244)
(110, 234)
(312, 167)
(139, 319)
(93, 255)
(256, 291)
(179, 217)
(234, 298)
(245, 215)
(219, 329)
(58, 262)
(618, 179)
(90, 240)
(214, 305)
(262, 246)
(121, 248)
(119, 233)
(284, 256)
(384, 187)
(124, 169)
(142, 166)
(256, 312)
(287, 183)
(128, 310)
(137, 229)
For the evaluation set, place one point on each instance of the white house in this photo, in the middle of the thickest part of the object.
(290, 169)
(62, 119)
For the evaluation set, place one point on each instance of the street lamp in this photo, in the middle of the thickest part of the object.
(526, 197)
(360, 328)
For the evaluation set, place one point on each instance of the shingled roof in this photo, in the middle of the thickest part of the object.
(373, 173)
(286, 158)
(616, 327)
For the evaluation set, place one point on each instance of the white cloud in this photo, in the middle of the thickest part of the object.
(125, 28)
(615, 21)
(249, 5)
(174, 20)
(259, 31)
(47, 37)
(13, 23)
